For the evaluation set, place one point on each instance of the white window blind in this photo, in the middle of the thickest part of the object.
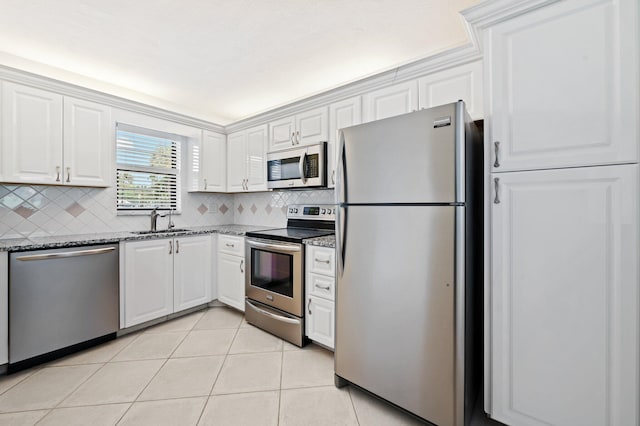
(148, 169)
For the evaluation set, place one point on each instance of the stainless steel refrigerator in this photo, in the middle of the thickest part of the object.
(409, 230)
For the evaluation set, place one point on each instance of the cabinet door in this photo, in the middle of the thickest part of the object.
(236, 162)
(148, 275)
(459, 83)
(282, 133)
(256, 159)
(88, 143)
(565, 297)
(231, 280)
(191, 272)
(312, 126)
(213, 162)
(4, 307)
(320, 324)
(563, 98)
(31, 135)
(341, 114)
(391, 101)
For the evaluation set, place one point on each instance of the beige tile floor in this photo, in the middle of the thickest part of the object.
(207, 368)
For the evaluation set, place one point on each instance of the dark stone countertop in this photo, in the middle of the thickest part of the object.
(40, 243)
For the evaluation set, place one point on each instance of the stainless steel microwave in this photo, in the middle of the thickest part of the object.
(303, 166)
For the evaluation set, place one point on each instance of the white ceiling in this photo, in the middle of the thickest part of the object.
(223, 60)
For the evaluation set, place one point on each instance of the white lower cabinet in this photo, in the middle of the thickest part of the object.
(163, 276)
(564, 297)
(191, 272)
(231, 270)
(320, 295)
(4, 307)
(320, 325)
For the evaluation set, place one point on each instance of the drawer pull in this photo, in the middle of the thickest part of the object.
(323, 287)
(322, 261)
(229, 245)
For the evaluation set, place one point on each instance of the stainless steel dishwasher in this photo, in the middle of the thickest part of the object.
(61, 297)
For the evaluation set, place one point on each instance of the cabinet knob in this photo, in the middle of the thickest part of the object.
(242, 266)
(496, 146)
(177, 246)
(57, 173)
(293, 138)
(298, 137)
(170, 246)
(68, 174)
(496, 182)
(205, 184)
(309, 307)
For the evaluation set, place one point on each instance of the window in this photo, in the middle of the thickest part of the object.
(148, 169)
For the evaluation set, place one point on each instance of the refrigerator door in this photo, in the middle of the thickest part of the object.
(395, 325)
(411, 158)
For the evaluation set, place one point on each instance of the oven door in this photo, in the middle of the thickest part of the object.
(275, 274)
(298, 167)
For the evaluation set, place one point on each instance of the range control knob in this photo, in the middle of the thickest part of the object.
(323, 211)
(295, 210)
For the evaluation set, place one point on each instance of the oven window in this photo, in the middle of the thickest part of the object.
(272, 271)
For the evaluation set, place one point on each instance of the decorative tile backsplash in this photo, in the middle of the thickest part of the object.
(269, 208)
(35, 210)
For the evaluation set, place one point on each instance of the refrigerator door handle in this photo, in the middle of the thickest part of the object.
(341, 172)
(341, 236)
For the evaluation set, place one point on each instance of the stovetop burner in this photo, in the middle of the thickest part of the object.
(291, 234)
(303, 222)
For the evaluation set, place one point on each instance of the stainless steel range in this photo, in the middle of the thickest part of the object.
(274, 283)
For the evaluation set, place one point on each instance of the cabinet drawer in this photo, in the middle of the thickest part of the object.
(231, 245)
(321, 286)
(321, 260)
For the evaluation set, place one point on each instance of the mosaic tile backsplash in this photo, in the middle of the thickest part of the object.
(35, 210)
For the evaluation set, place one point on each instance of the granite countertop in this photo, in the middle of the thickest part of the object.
(326, 241)
(39, 243)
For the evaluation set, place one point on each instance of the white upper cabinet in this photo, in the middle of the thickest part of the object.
(282, 133)
(459, 83)
(562, 86)
(213, 162)
(31, 135)
(312, 126)
(564, 285)
(341, 114)
(256, 168)
(391, 101)
(36, 150)
(246, 160)
(302, 129)
(88, 138)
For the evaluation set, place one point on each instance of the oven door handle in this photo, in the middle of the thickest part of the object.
(272, 315)
(278, 247)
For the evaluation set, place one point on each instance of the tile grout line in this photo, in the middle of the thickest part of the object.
(80, 384)
(219, 371)
(280, 390)
(154, 376)
(355, 412)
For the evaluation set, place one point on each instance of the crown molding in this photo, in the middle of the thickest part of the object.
(475, 19)
(448, 59)
(68, 89)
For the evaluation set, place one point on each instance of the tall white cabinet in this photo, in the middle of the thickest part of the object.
(561, 145)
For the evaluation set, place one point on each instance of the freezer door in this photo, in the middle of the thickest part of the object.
(405, 159)
(395, 305)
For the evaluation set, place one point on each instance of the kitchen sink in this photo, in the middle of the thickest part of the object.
(162, 231)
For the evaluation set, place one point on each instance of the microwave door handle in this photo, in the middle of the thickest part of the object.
(303, 168)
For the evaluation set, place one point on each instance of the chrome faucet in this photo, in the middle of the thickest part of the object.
(154, 219)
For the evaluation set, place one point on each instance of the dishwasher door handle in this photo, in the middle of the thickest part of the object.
(66, 254)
